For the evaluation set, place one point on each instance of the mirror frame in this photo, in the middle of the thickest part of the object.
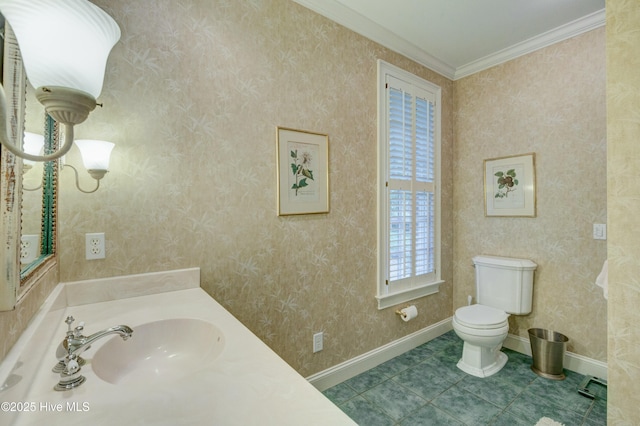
(12, 287)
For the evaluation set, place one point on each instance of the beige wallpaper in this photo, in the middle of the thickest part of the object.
(623, 132)
(551, 102)
(194, 92)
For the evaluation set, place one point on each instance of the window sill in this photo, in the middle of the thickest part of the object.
(388, 300)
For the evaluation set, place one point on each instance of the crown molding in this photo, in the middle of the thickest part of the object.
(556, 35)
(352, 20)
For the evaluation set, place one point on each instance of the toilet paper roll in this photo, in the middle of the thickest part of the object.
(409, 313)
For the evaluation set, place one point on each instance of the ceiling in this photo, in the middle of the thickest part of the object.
(457, 38)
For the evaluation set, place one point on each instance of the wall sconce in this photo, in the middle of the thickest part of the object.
(64, 45)
(95, 157)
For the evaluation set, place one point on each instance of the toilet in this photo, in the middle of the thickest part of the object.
(504, 286)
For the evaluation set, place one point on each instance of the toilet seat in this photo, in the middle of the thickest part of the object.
(481, 317)
(483, 330)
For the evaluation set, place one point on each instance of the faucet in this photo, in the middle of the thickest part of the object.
(76, 343)
(68, 353)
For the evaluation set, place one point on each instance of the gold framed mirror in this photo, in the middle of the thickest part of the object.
(40, 209)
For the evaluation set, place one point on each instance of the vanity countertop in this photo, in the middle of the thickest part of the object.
(248, 384)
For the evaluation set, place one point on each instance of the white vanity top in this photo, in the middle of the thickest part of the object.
(248, 384)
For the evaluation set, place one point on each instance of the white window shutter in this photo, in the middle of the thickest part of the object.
(408, 232)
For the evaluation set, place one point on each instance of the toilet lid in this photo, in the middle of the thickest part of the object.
(481, 315)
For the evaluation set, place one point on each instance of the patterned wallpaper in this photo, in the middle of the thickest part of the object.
(551, 102)
(623, 132)
(193, 95)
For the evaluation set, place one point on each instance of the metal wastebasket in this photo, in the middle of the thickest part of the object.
(547, 350)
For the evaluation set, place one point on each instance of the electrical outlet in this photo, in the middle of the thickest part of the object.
(317, 342)
(29, 248)
(599, 231)
(95, 246)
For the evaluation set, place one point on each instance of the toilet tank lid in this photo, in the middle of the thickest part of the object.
(509, 262)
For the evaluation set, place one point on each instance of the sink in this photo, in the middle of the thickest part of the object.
(159, 351)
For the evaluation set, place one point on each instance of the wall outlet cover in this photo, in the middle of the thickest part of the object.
(95, 247)
(599, 231)
(29, 248)
(317, 342)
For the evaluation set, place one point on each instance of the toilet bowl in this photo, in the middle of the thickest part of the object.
(504, 286)
(483, 330)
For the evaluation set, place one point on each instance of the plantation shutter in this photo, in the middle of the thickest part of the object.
(410, 184)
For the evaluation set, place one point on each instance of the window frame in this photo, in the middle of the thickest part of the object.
(387, 295)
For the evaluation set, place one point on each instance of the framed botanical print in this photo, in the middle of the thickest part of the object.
(510, 186)
(303, 172)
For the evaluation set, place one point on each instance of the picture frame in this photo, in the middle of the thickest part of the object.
(510, 186)
(302, 172)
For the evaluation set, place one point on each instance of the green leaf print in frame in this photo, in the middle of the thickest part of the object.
(509, 186)
(302, 172)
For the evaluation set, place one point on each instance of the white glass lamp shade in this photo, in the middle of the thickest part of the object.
(95, 154)
(64, 43)
(33, 144)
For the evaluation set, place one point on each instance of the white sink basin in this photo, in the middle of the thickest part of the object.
(159, 351)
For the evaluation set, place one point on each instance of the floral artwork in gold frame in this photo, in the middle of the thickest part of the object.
(510, 186)
(303, 172)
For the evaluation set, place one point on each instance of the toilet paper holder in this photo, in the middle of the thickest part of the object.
(402, 314)
(406, 316)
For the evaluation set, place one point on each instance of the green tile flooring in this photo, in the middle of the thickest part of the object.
(424, 387)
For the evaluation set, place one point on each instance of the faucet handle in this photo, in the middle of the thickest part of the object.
(69, 321)
(71, 364)
(77, 332)
(70, 376)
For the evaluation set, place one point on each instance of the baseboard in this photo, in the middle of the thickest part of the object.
(574, 362)
(350, 368)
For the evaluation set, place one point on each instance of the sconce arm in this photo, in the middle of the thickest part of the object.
(24, 188)
(6, 140)
(67, 106)
(78, 180)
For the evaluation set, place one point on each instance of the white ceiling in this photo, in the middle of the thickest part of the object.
(457, 38)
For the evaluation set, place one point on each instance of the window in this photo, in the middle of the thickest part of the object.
(408, 186)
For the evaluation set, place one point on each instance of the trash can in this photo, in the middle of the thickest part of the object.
(547, 350)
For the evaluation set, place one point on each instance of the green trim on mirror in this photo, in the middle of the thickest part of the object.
(49, 184)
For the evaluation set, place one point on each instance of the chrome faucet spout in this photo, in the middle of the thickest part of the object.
(123, 330)
(75, 345)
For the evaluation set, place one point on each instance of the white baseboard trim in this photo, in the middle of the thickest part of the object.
(574, 362)
(351, 368)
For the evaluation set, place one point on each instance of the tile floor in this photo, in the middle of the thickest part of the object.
(424, 387)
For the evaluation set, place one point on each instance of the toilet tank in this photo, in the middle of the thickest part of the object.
(505, 283)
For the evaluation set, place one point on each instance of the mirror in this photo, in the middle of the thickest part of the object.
(38, 183)
(32, 179)
(39, 203)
